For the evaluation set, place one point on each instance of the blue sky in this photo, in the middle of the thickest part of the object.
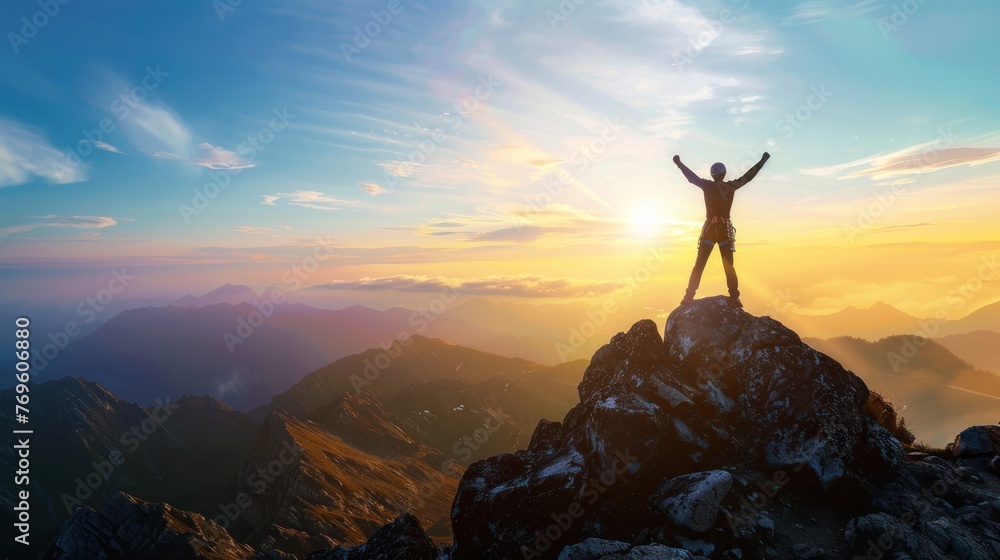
(429, 146)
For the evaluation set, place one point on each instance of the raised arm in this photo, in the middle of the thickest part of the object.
(752, 172)
(691, 177)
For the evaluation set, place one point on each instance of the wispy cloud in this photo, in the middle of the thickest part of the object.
(252, 230)
(165, 155)
(922, 158)
(26, 155)
(157, 128)
(106, 147)
(215, 157)
(527, 285)
(815, 12)
(372, 189)
(307, 199)
(77, 222)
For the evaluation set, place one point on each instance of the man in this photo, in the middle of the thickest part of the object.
(718, 226)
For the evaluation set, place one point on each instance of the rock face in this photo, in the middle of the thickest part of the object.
(693, 500)
(403, 539)
(795, 405)
(700, 441)
(130, 528)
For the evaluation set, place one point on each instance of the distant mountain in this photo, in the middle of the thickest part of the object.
(979, 348)
(983, 319)
(88, 315)
(882, 320)
(422, 360)
(232, 294)
(158, 352)
(233, 352)
(235, 294)
(88, 444)
(878, 321)
(937, 392)
(55, 325)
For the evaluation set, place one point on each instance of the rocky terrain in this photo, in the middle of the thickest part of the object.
(726, 438)
(88, 445)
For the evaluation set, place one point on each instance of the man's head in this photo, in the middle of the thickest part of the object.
(718, 171)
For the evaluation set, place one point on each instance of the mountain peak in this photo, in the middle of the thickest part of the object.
(202, 402)
(226, 293)
(724, 398)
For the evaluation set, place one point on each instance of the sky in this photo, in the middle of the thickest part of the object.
(383, 151)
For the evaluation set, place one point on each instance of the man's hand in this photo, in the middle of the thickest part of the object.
(677, 160)
(766, 156)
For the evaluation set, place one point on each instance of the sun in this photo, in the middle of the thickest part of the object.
(646, 221)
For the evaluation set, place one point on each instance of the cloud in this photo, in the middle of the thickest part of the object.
(907, 162)
(399, 168)
(77, 222)
(808, 12)
(526, 285)
(165, 155)
(157, 128)
(815, 12)
(215, 157)
(26, 155)
(106, 147)
(307, 199)
(252, 230)
(372, 188)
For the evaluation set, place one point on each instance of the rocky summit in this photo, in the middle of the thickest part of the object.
(726, 438)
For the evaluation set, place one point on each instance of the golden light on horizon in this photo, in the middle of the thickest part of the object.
(646, 221)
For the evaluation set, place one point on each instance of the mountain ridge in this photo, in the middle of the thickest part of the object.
(727, 437)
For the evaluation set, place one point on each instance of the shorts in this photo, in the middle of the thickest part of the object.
(718, 230)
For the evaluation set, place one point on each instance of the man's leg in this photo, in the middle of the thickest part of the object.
(732, 282)
(704, 251)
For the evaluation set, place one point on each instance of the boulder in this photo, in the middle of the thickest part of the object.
(403, 539)
(977, 441)
(693, 500)
(593, 549)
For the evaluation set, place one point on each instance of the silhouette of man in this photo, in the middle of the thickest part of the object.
(718, 226)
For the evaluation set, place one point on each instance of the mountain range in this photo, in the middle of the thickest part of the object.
(726, 437)
(241, 348)
(405, 440)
